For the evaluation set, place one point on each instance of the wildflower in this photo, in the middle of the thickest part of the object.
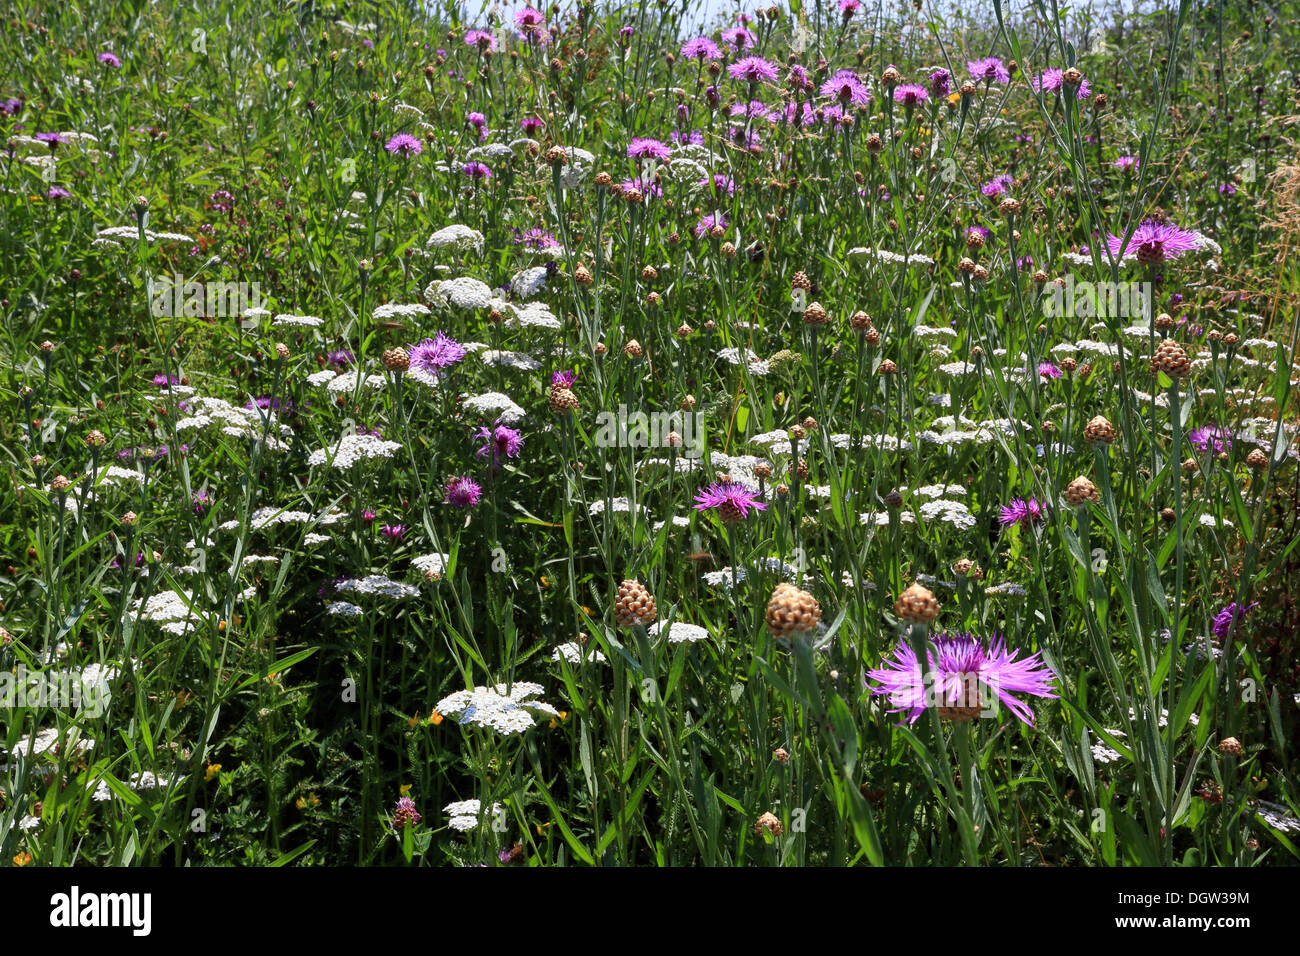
(110, 58)
(731, 500)
(506, 709)
(501, 441)
(847, 88)
(753, 69)
(1054, 78)
(482, 40)
(738, 38)
(645, 148)
(405, 815)
(701, 48)
(1226, 620)
(1021, 512)
(911, 94)
(477, 171)
(1048, 370)
(991, 69)
(959, 671)
(1127, 164)
(404, 144)
(708, 224)
(940, 82)
(532, 25)
(1154, 242)
(768, 825)
(1211, 436)
(996, 186)
(434, 356)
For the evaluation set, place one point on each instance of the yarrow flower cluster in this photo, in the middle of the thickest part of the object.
(506, 709)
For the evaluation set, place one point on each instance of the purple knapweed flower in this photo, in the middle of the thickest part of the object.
(961, 674)
(1021, 512)
(732, 501)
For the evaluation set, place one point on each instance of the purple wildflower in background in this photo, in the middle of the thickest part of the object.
(847, 88)
(911, 94)
(463, 492)
(802, 112)
(201, 501)
(477, 171)
(340, 358)
(732, 501)
(482, 40)
(738, 37)
(1154, 242)
(434, 356)
(710, 222)
(753, 69)
(1127, 164)
(405, 144)
(501, 442)
(996, 186)
(393, 532)
(1053, 79)
(52, 140)
(11, 107)
(646, 187)
(110, 58)
(1211, 436)
(701, 48)
(405, 815)
(1226, 619)
(1048, 370)
(990, 68)
(643, 147)
(722, 185)
(531, 124)
(959, 667)
(57, 192)
(563, 379)
(940, 83)
(797, 78)
(538, 239)
(692, 137)
(1021, 512)
(848, 7)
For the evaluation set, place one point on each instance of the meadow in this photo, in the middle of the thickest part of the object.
(835, 434)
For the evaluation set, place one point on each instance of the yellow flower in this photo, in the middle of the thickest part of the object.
(211, 771)
(22, 859)
(404, 790)
(545, 581)
(954, 97)
(435, 718)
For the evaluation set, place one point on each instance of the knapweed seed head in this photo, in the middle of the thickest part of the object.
(916, 605)
(1081, 492)
(1099, 431)
(791, 612)
(633, 605)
